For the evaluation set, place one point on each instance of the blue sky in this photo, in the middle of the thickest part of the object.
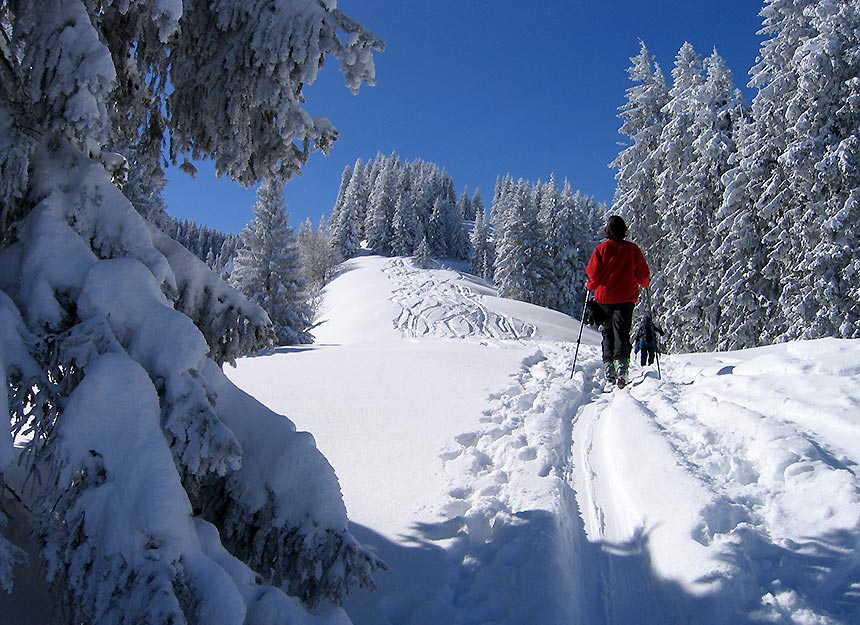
(488, 87)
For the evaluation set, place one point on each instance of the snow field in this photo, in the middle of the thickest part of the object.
(501, 491)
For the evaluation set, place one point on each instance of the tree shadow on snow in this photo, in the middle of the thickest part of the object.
(413, 591)
(533, 568)
(538, 568)
(287, 349)
(821, 573)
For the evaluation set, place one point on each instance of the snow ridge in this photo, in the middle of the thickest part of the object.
(506, 490)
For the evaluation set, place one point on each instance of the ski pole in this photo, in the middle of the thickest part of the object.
(579, 338)
(656, 342)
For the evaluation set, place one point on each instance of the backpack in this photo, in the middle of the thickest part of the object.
(645, 341)
(595, 314)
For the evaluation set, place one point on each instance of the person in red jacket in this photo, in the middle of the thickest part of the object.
(616, 272)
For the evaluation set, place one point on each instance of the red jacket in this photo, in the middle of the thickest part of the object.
(616, 271)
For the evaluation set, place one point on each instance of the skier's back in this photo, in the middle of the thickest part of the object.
(616, 272)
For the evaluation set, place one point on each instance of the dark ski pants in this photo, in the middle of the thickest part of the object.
(616, 331)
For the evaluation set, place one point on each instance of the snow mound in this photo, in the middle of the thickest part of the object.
(379, 298)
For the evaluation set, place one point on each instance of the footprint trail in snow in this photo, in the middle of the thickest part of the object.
(727, 492)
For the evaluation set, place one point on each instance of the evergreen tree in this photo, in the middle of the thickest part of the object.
(477, 204)
(482, 251)
(640, 164)
(423, 257)
(267, 270)
(457, 236)
(677, 155)
(336, 210)
(464, 206)
(317, 258)
(821, 160)
(579, 223)
(347, 223)
(381, 206)
(406, 227)
(224, 259)
(548, 204)
(719, 111)
(521, 267)
(437, 228)
(110, 327)
(398, 208)
(786, 24)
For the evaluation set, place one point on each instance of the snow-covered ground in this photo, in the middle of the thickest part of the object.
(500, 490)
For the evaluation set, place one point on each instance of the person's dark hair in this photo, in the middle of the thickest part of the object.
(616, 228)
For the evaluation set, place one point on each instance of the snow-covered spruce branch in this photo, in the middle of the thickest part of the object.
(258, 127)
(122, 387)
(267, 514)
(231, 325)
(106, 365)
(311, 562)
(17, 369)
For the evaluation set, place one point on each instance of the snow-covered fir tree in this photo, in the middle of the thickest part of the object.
(457, 235)
(166, 494)
(521, 268)
(318, 260)
(464, 206)
(381, 206)
(267, 269)
(764, 179)
(345, 177)
(576, 232)
(547, 200)
(482, 248)
(787, 222)
(406, 229)
(719, 111)
(476, 204)
(437, 227)
(542, 239)
(640, 164)
(212, 246)
(423, 257)
(684, 221)
(347, 218)
(398, 209)
(224, 258)
(815, 205)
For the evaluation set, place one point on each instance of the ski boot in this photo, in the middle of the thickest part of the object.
(609, 372)
(623, 373)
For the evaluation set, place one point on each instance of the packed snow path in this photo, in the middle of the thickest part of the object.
(726, 492)
(736, 475)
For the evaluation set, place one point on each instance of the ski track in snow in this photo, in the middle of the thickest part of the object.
(541, 489)
(752, 553)
(775, 557)
(437, 306)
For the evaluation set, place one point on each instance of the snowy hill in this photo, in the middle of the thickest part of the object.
(500, 490)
